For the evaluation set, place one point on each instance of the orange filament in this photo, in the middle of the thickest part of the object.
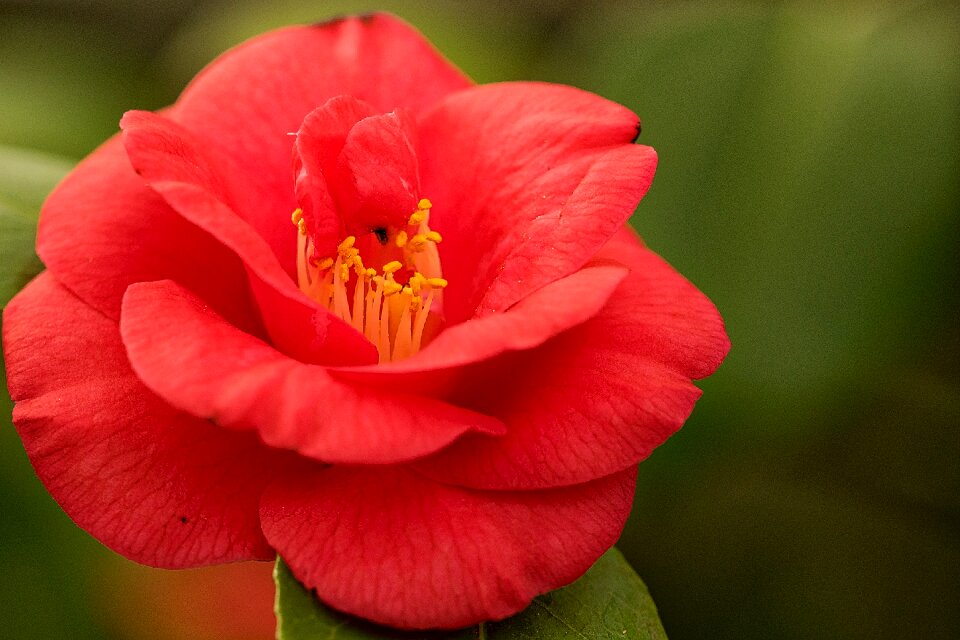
(391, 315)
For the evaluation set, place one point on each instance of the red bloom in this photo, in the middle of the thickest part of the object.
(429, 393)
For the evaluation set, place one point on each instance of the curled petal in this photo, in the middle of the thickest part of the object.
(528, 182)
(672, 322)
(533, 321)
(102, 229)
(319, 141)
(201, 364)
(379, 172)
(601, 396)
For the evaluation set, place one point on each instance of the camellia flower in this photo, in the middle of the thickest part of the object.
(420, 360)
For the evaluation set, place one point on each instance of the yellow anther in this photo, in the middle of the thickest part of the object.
(416, 282)
(344, 272)
(417, 243)
(347, 243)
(392, 267)
(416, 218)
(401, 238)
(358, 266)
(297, 216)
(369, 273)
(424, 204)
(437, 283)
(302, 226)
(390, 288)
(434, 237)
(324, 264)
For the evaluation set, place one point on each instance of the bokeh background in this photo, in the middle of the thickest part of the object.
(809, 183)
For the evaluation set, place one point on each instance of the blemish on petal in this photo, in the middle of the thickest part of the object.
(364, 18)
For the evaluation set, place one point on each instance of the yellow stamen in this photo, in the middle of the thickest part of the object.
(391, 287)
(402, 343)
(358, 266)
(421, 322)
(357, 315)
(392, 315)
(298, 221)
(417, 243)
(416, 282)
(392, 267)
(324, 264)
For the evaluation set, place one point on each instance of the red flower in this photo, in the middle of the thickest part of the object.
(429, 393)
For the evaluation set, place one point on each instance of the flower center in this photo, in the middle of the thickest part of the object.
(398, 307)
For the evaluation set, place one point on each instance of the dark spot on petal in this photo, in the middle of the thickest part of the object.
(332, 21)
(365, 18)
(639, 129)
(184, 519)
(329, 22)
(381, 233)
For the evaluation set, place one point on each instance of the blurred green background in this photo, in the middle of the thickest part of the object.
(809, 183)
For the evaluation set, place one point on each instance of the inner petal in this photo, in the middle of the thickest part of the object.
(378, 181)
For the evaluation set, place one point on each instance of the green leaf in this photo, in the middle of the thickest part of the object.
(609, 602)
(26, 177)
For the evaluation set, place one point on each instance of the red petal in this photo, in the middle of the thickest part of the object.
(249, 99)
(188, 177)
(544, 314)
(391, 546)
(528, 182)
(378, 170)
(319, 141)
(355, 171)
(598, 398)
(672, 322)
(163, 151)
(201, 364)
(156, 485)
(102, 229)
